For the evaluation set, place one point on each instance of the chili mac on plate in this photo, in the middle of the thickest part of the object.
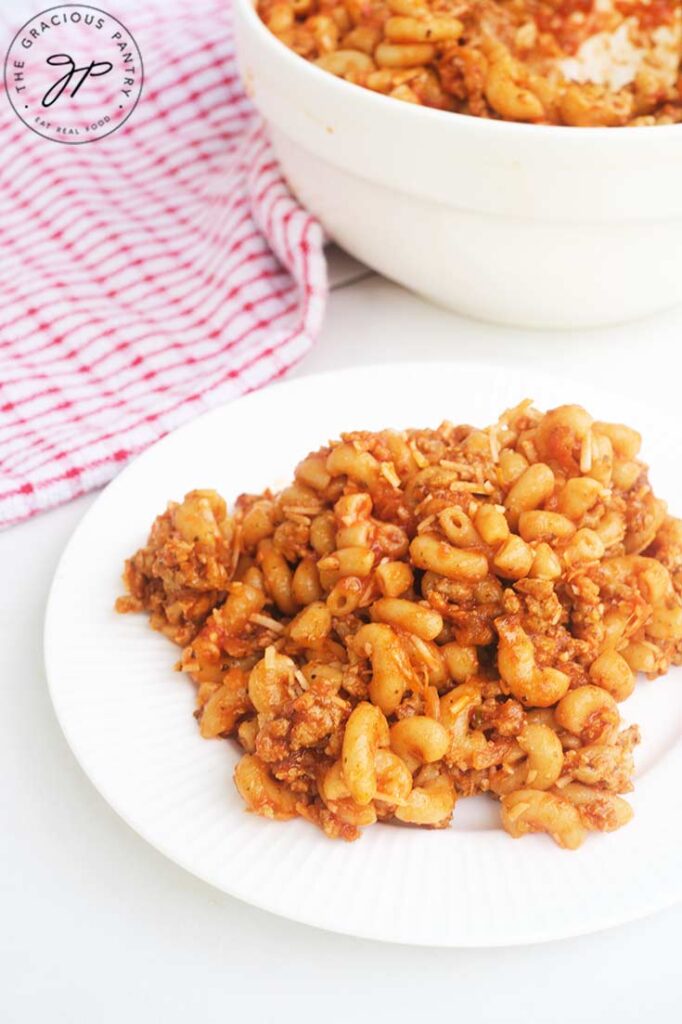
(425, 615)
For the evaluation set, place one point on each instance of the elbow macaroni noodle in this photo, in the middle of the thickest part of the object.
(427, 615)
(584, 63)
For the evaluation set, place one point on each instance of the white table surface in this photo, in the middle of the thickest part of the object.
(99, 927)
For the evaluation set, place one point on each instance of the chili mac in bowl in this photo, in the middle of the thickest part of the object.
(572, 218)
(583, 63)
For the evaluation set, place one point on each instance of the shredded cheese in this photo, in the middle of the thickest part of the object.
(586, 453)
(267, 622)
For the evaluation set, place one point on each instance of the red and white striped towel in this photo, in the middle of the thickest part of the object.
(149, 275)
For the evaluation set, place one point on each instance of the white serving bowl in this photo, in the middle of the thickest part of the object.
(521, 224)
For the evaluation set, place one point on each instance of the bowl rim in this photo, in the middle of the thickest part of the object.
(489, 128)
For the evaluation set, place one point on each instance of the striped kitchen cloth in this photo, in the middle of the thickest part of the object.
(149, 275)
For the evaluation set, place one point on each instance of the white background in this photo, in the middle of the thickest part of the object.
(98, 927)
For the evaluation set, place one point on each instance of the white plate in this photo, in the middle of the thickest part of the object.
(128, 716)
